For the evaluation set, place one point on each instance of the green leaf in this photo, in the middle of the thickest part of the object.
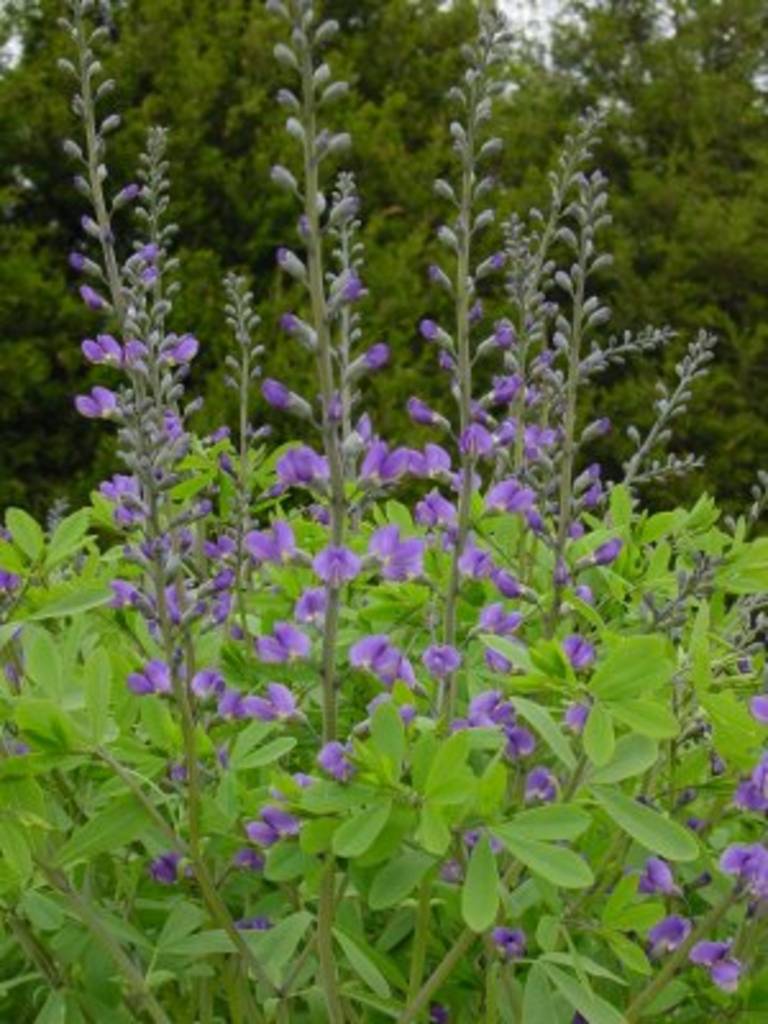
(276, 947)
(42, 661)
(547, 728)
(648, 717)
(599, 738)
(27, 535)
(538, 1004)
(480, 892)
(246, 741)
(77, 601)
(631, 955)
(634, 666)
(202, 944)
(46, 725)
(362, 964)
(398, 879)
(15, 849)
(359, 832)
(557, 864)
(119, 824)
(98, 687)
(388, 735)
(287, 861)
(621, 506)
(67, 537)
(433, 832)
(517, 654)
(634, 755)
(553, 821)
(735, 733)
(593, 1007)
(183, 919)
(448, 774)
(267, 754)
(746, 571)
(657, 834)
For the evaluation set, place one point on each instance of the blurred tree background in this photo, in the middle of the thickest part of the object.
(684, 84)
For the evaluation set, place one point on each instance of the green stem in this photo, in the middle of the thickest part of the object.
(441, 973)
(420, 939)
(82, 909)
(464, 373)
(325, 916)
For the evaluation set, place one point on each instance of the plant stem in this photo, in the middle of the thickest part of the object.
(441, 973)
(420, 939)
(668, 971)
(132, 975)
(325, 915)
(125, 776)
(337, 509)
(464, 369)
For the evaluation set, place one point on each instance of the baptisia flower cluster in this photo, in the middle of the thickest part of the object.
(446, 714)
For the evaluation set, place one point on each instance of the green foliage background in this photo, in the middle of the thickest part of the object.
(686, 149)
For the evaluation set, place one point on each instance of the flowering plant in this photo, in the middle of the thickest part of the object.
(358, 731)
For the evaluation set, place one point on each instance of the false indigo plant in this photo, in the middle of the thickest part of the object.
(278, 746)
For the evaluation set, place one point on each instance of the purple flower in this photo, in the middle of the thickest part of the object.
(334, 761)
(274, 824)
(178, 351)
(435, 510)
(540, 784)
(155, 677)
(422, 414)
(504, 334)
(100, 404)
(287, 643)
(382, 465)
(752, 795)
(9, 581)
(248, 859)
(520, 743)
(336, 565)
(310, 607)
(505, 389)
(496, 662)
(578, 651)
(509, 496)
(750, 865)
(490, 709)
(441, 660)
(165, 868)
(494, 618)
(399, 559)
(724, 970)
(668, 934)
(759, 708)
(506, 584)
(476, 441)
(103, 350)
(576, 716)
(510, 942)
(301, 467)
(276, 394)
(429, 330)
(377, 654)
(276, 545)
(91, 298)
(279, 704)
(208, 683)
(475, 562)
(377, 356)
(439, 1014)
(584, 593)
(607, 552)
(258, 923)
(657, 877)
